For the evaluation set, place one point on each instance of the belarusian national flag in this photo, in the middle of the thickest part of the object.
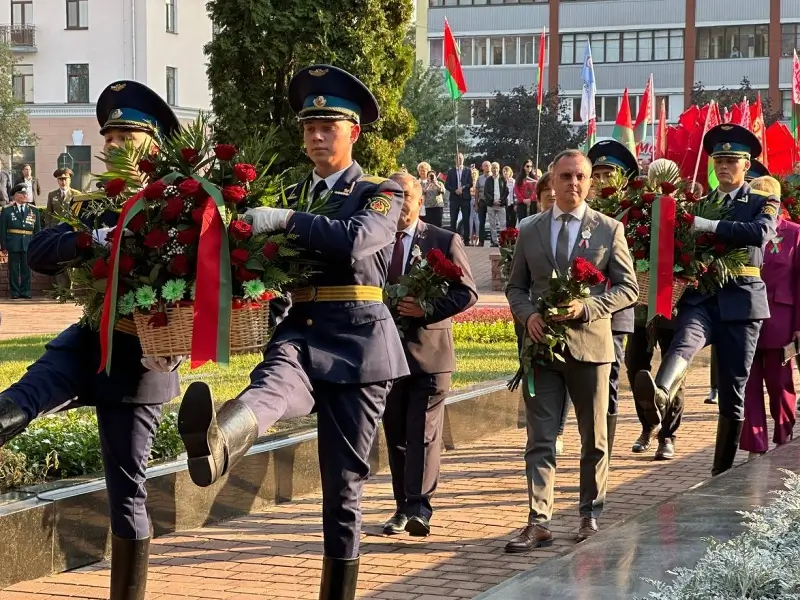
(758, 129)
(660, 151)
(712, 120)
(454, 75)
(645, 115)
(623, 129)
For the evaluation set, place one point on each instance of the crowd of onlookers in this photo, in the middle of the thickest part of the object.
(479, 203)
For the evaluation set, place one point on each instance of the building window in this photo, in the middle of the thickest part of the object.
(628, 46)
(78, 84)
(21, 12)
(171, 16)
(437, 52)
(22, 83)
(77, 14)
(743, 41)
(23, 155)
(790, 38)
(172, 75)
(81, 166)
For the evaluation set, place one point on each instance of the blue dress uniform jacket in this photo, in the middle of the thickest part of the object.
(753, 224)
(76, 350)
(348, 342)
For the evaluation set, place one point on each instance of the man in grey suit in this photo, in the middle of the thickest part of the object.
(547, 243)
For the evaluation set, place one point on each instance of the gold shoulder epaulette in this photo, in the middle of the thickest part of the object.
(760, 193)
(373, 179)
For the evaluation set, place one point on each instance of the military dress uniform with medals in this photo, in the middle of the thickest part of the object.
(337, 350)
(731, 319)
(611, 153)
(128, 400)
(18, 223)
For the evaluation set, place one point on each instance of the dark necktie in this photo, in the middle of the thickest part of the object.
(726, 201)
(319, 190)
(562, 244)
(398, 254)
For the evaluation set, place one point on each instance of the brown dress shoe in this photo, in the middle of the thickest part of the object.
(531, 536)
(587, 529)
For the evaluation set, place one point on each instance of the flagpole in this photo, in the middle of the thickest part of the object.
(455, 126)
(538, 134)
(652, 119)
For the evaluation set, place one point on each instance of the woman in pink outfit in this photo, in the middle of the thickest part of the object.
(781, 274)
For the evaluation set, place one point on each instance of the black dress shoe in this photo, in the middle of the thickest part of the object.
(642, 443)
(531, 536)
(587, 529)
(418, 526)
(396, 525)
(13, 419)
(666, 450)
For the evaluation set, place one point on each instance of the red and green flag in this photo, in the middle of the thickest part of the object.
(623, 129)
(662, 259)
(454, 76)
(660, 151)
(713, 119)
(645, 115)
(758, 128)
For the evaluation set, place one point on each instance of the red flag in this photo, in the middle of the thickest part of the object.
(781, 149)
(746, 121)
(540, 84)
(795, 79)
(455, 76)
(757, 121)
(712, 119)
(660, 151)
(689, 117)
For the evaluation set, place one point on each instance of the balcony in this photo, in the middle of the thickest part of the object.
(20, 38)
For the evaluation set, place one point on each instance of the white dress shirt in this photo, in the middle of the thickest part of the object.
(497, 189)
(409, 231)
(573, 227)
(330, 180)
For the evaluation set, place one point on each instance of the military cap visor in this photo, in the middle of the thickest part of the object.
(757, 169)
(20, 188)
(613, 154)
(330, 93)
(131, 106)
(731, 141)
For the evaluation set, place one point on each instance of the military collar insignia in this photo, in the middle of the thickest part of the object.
(118, 87)
(345, 192)
(317, 72)
(115, 114)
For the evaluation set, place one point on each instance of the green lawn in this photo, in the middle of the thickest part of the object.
(476, 362)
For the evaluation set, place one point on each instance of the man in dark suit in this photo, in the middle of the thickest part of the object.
(459, 183)
(415, 407)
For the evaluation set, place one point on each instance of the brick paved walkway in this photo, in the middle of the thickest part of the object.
(480, 504)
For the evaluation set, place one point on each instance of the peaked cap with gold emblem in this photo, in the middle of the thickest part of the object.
(733, 141)
(611, 153)
(331, 93)
(133, 106)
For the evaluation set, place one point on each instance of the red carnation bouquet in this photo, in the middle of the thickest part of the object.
(507, 241)
(562, 290)
(790, 198)
(427, 280)
(181, 258)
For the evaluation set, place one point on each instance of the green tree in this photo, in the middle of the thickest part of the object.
(509, 126)
(727, 97)
(14, 124)
(260, 44)
(425, 97)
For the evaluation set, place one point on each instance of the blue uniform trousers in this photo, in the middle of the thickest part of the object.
(613, 381)
(347, 422)
(66, 372)
(697, 326)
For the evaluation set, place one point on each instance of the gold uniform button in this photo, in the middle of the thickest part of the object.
(309, 322)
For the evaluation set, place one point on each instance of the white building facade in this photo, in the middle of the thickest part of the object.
(69, 50)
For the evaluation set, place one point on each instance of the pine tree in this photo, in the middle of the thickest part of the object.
(14, 124)
(260, 44)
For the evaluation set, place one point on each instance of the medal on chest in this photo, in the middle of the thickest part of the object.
(775, 245)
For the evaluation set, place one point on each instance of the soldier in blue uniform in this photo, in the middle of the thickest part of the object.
(337, 351)
(731, 319)
(18, 222)
(606, 157)
(128, 400)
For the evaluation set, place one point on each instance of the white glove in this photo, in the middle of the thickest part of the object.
(266, 220)
(701, 224)
(100, 235)
(162, 364)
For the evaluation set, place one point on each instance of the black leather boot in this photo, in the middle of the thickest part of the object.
(656, 394)
(13, 419)
(339, 578)
(611, 421)
(214, 441)
(728, 434)
(129, 568)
